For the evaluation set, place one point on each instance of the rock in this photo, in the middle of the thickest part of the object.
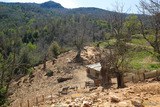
(77, 105)
(116, 91)
(124, 104)
(53, 105)
(73, 88)
(152, 93)
(100, 88)
(87, 104)
(60, 105)
(106, 104)
(62, 79)
(93, 88)
(138, 95)
(131, 91)
(68, 101)
(137, 102)
(145, 98)
(115, 99)
(72, 104)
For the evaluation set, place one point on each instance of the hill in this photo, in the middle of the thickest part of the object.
(46, 88)
(12, 14)
(51, 4)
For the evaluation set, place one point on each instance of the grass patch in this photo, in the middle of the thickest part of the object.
(143, 60)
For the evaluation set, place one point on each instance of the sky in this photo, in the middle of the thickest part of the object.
(129, 5)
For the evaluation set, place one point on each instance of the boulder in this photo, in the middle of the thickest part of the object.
(115, 99)
(86, 104)
(124, 104)
(137, 102)
(62, 79)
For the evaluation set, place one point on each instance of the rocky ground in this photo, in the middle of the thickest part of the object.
(132, 96)
(46, 89)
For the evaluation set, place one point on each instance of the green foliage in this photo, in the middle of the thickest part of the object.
(27, 32)
(143, 60)
(154, 66)
(139, 42)
(2, 95)
(102, 24)
(31, 46)
(49, 73)
(26, 54)
(132, 22)
(30, 71)
(55, 49)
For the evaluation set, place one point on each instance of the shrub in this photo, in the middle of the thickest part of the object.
(49, 73)
(2, 95)
(55, 49)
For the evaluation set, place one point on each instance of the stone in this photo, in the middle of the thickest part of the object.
(60, 105)
(137, 102)
(100, 88)
(115, 99)
(124, 104)
(68, 101)
(138, 95)
(62, 79)
(87, 104)
(152, 93)
(93, 88)
(72, 104)
(106, 104)
(145, 98)
(131, 91)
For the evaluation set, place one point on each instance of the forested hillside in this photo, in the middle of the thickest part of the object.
(31, 34)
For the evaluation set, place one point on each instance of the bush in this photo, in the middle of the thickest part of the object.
(55, 49)
(49, 73)
(2, 96)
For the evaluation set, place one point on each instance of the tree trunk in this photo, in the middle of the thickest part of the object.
(78, 56)
(44, 63)
(2, 79)
(120, 81)
(106, 79)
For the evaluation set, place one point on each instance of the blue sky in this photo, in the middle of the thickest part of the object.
(129, 5)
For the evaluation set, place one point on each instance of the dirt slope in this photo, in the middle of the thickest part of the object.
(29, 88)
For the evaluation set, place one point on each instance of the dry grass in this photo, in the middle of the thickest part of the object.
(152, 88)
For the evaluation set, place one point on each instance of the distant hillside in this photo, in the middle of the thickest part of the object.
(18, 14)
(51, 4)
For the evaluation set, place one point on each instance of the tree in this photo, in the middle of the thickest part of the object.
(150, 24)
(55, 49)
(116, 55)
(132, 26)
(106, 64)
(80, 28)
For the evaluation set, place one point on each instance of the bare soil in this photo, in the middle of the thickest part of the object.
(40, 85)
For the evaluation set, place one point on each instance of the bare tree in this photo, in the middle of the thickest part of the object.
(117, 55)
(150, 24)
(106, 64)
(80, 28)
